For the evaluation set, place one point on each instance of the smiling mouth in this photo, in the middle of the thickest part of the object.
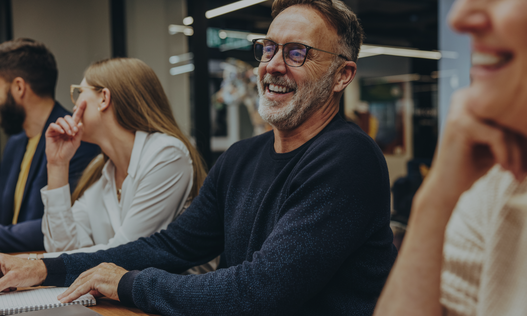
(491, 60)
(273, 88)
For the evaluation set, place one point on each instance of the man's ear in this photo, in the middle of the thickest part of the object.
(345, 75)
(106, 99)
(19, 89)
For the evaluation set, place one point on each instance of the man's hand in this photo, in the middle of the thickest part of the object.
(102, 280)
(17, 272)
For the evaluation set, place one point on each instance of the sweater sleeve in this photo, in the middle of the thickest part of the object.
(329, 214)
(194, 238)
(331, 211)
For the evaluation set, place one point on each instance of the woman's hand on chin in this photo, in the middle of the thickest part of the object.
(469, 148)
(63, 137)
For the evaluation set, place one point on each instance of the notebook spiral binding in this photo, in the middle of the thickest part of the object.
(13, 311)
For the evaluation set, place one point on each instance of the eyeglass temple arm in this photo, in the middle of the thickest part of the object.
(325, 51)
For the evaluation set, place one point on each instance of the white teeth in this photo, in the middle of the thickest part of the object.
(279, 89)
(483, 59)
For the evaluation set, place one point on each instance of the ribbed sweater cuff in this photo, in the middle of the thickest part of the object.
(56, 272)
(125, 287)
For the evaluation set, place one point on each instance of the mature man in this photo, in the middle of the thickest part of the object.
(300, 214)
(28, 76)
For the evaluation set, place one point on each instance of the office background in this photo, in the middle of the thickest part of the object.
(409, 67)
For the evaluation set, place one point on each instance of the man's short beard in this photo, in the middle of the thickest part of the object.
(12, 116)
(305, 101)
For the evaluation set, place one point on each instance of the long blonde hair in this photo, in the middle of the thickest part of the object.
(139, 104)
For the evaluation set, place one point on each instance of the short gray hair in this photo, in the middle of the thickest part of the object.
(337, 14)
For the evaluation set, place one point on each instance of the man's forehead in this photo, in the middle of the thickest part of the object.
(300, 23)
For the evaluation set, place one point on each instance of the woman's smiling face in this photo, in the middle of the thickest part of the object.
(498, 29)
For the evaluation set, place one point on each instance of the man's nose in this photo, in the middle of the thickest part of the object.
(277, 64)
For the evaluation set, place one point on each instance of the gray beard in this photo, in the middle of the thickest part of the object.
(305, 100)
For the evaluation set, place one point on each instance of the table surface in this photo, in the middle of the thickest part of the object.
(107, 307)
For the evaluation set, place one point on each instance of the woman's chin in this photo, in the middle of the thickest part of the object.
(486, 103)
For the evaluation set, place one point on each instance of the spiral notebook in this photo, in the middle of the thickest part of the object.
(37, 299)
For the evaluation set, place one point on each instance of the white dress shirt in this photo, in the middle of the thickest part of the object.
(154, 192)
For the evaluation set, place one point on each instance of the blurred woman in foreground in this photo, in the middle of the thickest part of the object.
(477, 263)
(142, 180)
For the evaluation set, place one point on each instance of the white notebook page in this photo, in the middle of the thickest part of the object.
(37, 299)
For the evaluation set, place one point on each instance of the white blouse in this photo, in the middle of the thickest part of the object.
(154, 192)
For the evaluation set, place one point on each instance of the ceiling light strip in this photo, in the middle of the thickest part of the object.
(181, 69)
(370, 50)
(231, 7)
(366, 50)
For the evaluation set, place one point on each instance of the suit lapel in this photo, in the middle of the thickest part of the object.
(57, 112)
(6, 215)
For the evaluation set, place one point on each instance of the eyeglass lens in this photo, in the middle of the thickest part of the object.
(75, 94)
(294, 53)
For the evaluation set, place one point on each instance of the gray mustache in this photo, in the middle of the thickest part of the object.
(269, 79)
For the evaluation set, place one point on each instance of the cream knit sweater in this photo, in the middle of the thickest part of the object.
(485, 249)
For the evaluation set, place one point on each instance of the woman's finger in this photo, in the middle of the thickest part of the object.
(79, 112)
(55, 128)
(496, 139)
(514, 154)
(72, 123)
(522, 144)
(516, 145)
(65, 126)
(80, 127)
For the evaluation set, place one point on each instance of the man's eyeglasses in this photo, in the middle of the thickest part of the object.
(75, 91)
(294, 54)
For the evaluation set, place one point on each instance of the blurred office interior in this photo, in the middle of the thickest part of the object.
(408, 68)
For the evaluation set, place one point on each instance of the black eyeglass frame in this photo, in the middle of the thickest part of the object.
(283, 51)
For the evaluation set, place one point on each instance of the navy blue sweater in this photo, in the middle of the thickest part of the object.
(302, 233)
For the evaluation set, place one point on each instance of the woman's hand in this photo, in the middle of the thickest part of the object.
(63, 138)
(468, 149)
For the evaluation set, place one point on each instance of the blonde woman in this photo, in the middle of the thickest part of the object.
(465, 251)
(142, 180)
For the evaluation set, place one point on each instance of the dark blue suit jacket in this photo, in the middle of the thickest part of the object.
(27, 234)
